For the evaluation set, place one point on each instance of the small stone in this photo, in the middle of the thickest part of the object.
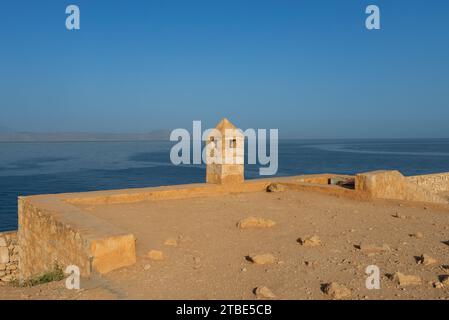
(275, 187)
(445, 280)
(146, 267)
(399, 216)
(313, 241)
(196, 262)
(426, 260)
(3, 242)
(171, 242)
(336, 291)
(262, 259)
(264, 293)
(11, 267)
(406, 280)
(254, 222)
(437, 285)
(417, 235)
(4, 255)
(7, 278)
(370, 249)
(156, 255)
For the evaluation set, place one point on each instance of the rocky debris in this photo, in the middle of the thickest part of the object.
(254, 222)
(146, 267)
(444, 279)
(426, 260)
(399, 216)
(314, 264)
(171, 242)
(437, 285)
(264, 293)
(196, 262)
(336, 291)
(417, 235)
(444, 267)
(266, 258)
(156, 255)
(406, 280)
(275, 187)
(313, 241)
(371, 249)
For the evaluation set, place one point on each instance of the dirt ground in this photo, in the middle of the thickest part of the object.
(205, 256)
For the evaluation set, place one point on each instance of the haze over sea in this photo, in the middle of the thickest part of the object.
(40, 168)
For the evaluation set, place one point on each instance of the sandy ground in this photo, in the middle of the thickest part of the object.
(209, 259)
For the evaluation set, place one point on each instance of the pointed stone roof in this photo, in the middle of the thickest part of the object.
(225, 124)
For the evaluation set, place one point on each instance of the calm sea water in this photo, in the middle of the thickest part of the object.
(39, 168)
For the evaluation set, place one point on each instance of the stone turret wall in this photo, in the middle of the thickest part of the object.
(9, 256)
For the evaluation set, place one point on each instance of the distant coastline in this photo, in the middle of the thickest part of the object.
(82, 136)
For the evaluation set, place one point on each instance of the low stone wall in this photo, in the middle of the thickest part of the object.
(391, 184)
(434, 182)
(9, 256)
(53, 234)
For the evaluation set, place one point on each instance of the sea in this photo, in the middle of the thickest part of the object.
(29, 168)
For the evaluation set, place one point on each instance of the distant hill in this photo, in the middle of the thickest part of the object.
(82, 136)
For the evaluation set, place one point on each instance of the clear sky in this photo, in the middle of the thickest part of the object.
(309, 68)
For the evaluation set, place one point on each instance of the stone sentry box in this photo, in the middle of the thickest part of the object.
(226, 166)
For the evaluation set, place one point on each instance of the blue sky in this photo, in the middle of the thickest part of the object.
(309, 68)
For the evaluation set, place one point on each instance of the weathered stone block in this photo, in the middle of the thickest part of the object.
(393, 185)
(4, 255)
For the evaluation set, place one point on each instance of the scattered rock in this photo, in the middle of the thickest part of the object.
(262, 259)
(264, 293)
(417, 235)
(406, 280)
(146, 267)
(275, 187)
(313, 241)
(444, 279)
(426, 260)
(336, 291)
(7, 278)
(370, 249)
(196, 262)
(156, 255)
(437, 285)
(171, 242)
(243, 270)
(313, 264)
(399, 216)
(254, 222)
